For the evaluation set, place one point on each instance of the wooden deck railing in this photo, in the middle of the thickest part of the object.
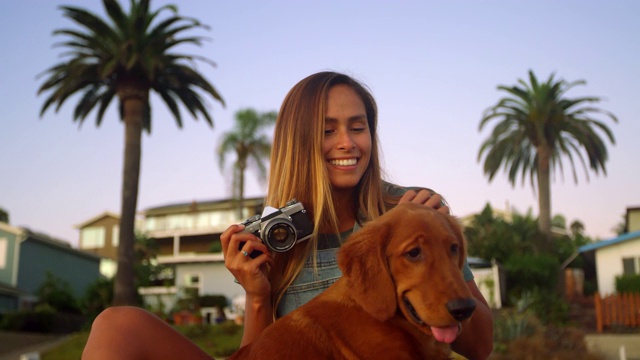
(618, 309)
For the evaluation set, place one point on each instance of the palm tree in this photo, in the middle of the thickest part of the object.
(537, 127)
(128, 57)
(248, 143)
(4, 216)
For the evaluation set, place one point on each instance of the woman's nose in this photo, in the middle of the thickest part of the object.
(345, 142)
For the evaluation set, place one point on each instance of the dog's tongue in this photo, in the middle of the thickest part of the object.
(445, 335)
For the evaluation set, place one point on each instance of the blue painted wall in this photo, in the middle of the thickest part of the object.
(38, 257)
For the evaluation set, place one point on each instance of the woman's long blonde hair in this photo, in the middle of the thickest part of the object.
(298, 169)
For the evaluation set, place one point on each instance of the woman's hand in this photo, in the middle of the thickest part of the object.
(250, 272)
(425, 197)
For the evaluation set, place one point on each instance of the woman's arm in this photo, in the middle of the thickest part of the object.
(258, 314)
(475, 341)
(251, 273)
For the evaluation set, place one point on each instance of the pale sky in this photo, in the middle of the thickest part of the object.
(432, 66)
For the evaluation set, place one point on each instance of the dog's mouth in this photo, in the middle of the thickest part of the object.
(413, 314)
(446, 334)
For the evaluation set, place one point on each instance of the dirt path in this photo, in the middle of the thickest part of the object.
(13, 344)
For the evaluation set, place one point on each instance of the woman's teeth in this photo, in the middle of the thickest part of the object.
(344, 162)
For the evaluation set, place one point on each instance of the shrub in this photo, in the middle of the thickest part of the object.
(628, 283)
(58, 294)
(529, 272)
(98, 297)
(549, 307)
(219, 301)
(41, 319)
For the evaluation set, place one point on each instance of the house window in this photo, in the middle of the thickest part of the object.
(115, 235)
(175, 222)
(150, 223)
(93, 237)
(203, 220)
(3, 252)
(629, 266)
(192, 280)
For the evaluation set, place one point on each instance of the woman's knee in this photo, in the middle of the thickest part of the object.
(121, 318)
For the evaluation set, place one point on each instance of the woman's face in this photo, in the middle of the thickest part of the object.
(347, 138)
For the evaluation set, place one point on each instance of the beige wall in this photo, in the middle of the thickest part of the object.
(633, 219)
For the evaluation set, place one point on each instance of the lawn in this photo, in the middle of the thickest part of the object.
(217, 340)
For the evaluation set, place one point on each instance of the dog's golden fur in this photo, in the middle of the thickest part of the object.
(412, 254)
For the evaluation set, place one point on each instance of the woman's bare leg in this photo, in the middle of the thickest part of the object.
(133, 333)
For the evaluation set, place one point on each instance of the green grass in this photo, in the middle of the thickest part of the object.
(217, 340)
(70, 349)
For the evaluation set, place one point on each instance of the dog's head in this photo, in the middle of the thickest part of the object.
(410, 259)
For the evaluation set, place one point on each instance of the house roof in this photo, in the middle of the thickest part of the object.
(96, 218)
(10, 229)
(194, 205)
(45, 239)
(617, 240)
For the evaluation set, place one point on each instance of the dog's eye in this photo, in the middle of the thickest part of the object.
(454, 249)
(413, 253)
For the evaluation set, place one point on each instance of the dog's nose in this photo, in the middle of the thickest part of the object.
(461, 309)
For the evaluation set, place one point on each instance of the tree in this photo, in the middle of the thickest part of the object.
(4, 215)
(492, 237)
(621, 227)
(249, 144)
(538, 126)
(127, 58)
(577, 227)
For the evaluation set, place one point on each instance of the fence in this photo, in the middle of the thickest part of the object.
(617, 310)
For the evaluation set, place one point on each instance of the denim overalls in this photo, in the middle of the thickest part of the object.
(308, 284)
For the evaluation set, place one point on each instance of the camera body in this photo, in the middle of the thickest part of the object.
(281, 229)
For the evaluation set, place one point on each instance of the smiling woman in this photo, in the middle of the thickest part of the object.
(325, 155)
(347, 140)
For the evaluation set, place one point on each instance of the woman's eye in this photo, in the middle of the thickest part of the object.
(358, 129)
(329, 131)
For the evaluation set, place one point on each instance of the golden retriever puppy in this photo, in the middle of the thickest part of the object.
(401, 296)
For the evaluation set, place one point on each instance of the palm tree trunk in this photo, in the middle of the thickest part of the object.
(125, 292)
(544, 196)
(241, 191)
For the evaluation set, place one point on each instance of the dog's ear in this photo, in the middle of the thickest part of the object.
(364, 266)
(457, 231)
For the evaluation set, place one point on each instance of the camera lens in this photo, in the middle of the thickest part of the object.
(280, 236)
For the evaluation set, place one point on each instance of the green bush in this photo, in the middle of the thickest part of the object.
(41, 319)
(98, 297)
(219, 301)
(530, 272)
(628, 283)
(58, 294)
(549, 307)
(216, 247)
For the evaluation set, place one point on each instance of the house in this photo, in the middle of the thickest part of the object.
(25, 259)
(188, 236)
(490, 280)
(612, 258)
(99, 235)
(615, 257)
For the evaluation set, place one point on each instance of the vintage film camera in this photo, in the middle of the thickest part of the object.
(281, 229)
